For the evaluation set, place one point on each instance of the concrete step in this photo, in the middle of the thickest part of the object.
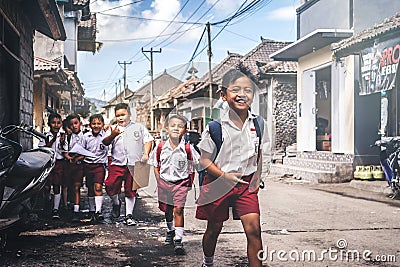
(321, 165)
(309, 174)
(372, 186)
(325, 156)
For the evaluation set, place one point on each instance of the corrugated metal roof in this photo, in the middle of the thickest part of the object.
(388, 25)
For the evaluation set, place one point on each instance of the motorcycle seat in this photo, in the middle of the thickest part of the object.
(30, 164)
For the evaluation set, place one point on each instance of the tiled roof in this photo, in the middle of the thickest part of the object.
(87, 34)
(388, 25)
(231, 61)
(41, 64)
(261, 54)
(279, 67)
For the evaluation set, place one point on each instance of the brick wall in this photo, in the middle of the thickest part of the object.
(14, 12)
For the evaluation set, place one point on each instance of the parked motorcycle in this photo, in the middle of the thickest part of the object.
(389, 157)
(22, 176)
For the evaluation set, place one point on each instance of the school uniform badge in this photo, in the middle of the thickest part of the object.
(136, 134)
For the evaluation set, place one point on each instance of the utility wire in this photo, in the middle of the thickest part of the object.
(149, 19)
(135, 2)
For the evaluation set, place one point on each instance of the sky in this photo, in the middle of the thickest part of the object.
(125, 27)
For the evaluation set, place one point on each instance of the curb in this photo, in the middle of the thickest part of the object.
(372, 186)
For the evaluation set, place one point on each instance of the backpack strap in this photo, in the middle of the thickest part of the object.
(189, 158)
(158, 152)
(215, 130)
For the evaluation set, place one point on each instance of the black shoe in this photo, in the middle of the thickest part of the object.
(55, 214)
(137, 195)
(178, 247)
(116, 210)
(129, 221)
(169, 239)
(76, 217)
(99, 216)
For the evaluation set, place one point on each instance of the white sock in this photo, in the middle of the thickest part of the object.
(170, 226)
(115, 199)
(129, 205)
(57, 199)
(99, 202)
(92, 205)
(76, 208)
(208, 261)
(178, 233)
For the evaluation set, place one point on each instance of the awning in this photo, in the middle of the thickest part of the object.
(46, 18)
(310, 43)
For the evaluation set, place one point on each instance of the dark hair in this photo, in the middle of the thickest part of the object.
(176, 116)
(122, 106)
(53, 116)
(71, 117)
(231, 76)
(96, 116)
(65, 124)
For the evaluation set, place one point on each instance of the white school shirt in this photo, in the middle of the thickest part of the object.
(58, 150)
(95, 145)
(174, 162)
(75, 138)
(239, 147)
(128, 147)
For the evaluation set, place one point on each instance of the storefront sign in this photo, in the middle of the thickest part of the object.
(379, 66)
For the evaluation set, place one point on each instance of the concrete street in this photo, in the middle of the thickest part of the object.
(303, 219)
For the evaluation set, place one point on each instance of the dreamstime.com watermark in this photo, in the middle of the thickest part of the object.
(338, 253)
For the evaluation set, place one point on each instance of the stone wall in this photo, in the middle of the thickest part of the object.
(15, 13)
(284, 112)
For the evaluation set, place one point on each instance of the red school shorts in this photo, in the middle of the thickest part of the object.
(56, 176)
(94, 173)
(172, 193)
(213, 208)
(113, 182)
(73, 173)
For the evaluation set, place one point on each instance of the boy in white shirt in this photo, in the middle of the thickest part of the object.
(173, 162)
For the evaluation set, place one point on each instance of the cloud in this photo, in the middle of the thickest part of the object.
(121, 27)
(225, 7)
(283, 14)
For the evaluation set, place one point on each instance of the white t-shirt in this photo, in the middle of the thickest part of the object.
(95, 145)
(174, 163)
(239, 147)
(56, 145)
(128, 147)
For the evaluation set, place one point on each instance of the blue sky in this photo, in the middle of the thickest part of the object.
(125, 26)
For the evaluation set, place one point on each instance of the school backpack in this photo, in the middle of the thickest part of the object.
(188, 154)
(215, 130)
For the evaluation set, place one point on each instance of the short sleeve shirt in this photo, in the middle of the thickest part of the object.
(239, 148)
(95, 145)
(174, 163)
(75, 138)
(128, 147)
(57, 147)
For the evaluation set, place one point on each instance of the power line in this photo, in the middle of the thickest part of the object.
(135, 2)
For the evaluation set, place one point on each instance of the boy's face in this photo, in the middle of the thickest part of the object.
(55, 125)
(176, 128)
(96, 125)
(239, 95)
(75, 125)
(122, 117)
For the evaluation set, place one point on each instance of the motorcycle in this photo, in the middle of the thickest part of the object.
(23, 174)
(389, 157)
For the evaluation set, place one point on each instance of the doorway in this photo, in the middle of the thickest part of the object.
(323, 107)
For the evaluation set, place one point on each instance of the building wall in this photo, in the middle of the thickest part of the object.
(14, 12)
(284, 112)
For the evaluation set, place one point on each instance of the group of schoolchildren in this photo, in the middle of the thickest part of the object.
(232, 162)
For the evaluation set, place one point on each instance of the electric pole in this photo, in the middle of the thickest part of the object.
(209, 53)
(151, 51)
(124, 63)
